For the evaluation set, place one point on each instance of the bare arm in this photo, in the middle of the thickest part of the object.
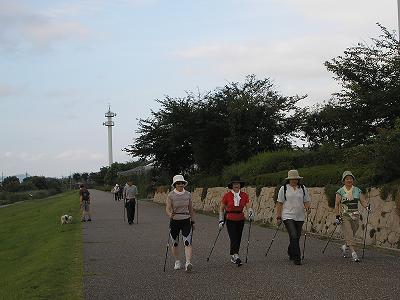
(363, 201)
(279, 207)
(191, 210)
(249, 204)
(337, 204)
(307, 205)
(222, 207)
(168, 208)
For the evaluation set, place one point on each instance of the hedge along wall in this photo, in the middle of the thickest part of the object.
(383, 225)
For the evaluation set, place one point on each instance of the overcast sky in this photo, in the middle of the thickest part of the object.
(62, 62)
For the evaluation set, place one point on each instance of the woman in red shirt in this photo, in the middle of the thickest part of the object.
(231, 212)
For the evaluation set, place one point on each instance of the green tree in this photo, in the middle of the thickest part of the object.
(208, 131)
(11, 184)
(370, 96)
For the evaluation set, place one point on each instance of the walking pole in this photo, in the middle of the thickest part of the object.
(276, 232)
(166, 251)
(323, 251)
(366, 225)
(219, 231)
(305, 238)
(248, 241)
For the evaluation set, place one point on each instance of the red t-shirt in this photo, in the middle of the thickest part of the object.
(228, 201)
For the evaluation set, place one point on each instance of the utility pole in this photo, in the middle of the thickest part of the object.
(109, 123)
(398, 17)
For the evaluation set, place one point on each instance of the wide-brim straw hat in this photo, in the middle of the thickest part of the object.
(236, 179)
(293, 174)
(178, 178)
(347, 173)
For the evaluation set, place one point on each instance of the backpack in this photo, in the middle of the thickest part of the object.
(285, 188)
(85, 195)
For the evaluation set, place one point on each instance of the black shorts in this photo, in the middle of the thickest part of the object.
(180, 225)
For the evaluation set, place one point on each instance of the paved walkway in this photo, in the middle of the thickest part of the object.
(126, 262)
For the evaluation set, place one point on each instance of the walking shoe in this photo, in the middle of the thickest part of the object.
(297, 262)
(89, 220)
(83, 220)
(236, 259)
(178, 265)
(188, 267)
(344, 250)
(354, 257)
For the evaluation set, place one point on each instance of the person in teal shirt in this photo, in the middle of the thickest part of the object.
(347, 213)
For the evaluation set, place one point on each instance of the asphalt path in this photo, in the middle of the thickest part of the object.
(124, 261)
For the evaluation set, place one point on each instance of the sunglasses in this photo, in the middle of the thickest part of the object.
(179, 183)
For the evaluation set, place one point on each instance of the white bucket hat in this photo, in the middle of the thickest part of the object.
(293, 174)
(178, 178)
(347, 173)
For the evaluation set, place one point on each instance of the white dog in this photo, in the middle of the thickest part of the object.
(65, 219)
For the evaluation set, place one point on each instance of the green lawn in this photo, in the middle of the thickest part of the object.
(39, 258)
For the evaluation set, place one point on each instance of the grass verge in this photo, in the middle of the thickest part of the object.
(39, 258)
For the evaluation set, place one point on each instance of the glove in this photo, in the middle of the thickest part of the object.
(250, 215)
(338, 220)
(221, 225)
(279, 220)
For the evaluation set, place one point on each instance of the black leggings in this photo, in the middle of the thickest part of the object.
(235, 230)
(130, 210)
(294, 230)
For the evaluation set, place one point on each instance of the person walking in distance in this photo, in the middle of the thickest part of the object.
(180, 211)
(293, 199)
(84, 197)
(347, 213)
(115, 191)
(130, 193)
(231, 213)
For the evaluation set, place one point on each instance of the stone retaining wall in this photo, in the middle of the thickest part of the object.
(383, 226)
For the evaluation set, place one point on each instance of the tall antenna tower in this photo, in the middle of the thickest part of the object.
(109, 123)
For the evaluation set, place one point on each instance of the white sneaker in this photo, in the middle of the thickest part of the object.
(354, 256)
(344, 250)
(188, 267)
(178, 265)
(236, 259)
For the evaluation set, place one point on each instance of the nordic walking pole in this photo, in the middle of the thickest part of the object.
(166, 251)
(366, 225)
(305, 238)
(276, 232)
(248, 241)
(323, 251)
(219, 231)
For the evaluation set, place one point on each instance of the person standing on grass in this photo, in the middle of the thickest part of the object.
(130, 193)
(347, 213)
(293, 199)
(84, 197)
(181, 213)
(231, 213)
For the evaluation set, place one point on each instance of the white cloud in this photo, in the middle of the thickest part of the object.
(356, 12)
(22, 26)
(79, 155)
(293, 58)
(7, 90)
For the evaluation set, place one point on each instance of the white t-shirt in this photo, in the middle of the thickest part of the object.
(293, 206)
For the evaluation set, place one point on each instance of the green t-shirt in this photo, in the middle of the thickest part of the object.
(349, 205)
